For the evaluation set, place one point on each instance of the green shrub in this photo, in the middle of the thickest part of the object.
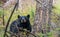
(1, 13)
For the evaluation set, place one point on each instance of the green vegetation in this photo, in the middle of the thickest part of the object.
(31, 10)
(1, 12)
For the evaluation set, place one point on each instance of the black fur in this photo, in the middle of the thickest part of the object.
(21, 22)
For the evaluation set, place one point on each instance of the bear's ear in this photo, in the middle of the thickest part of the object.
(18, 16)
(28, 16)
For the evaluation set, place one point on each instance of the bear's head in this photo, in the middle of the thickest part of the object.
(23, 19)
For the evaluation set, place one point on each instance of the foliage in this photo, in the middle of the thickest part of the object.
(49, 34)
(31, 10)
(1, 13)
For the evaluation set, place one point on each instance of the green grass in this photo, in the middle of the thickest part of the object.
(30, 11)
(2, 30)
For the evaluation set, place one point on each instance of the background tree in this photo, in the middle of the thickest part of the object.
(42, 16)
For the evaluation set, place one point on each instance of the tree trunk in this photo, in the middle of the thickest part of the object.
(42, 16)
(49, 14)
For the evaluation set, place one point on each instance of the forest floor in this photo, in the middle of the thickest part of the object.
(56, 10)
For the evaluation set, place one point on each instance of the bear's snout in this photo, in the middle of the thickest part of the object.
(23, 21)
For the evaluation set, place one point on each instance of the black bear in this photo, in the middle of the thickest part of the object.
(21, 22)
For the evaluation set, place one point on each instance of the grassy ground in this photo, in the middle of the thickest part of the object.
(2, 30)
(55, 10)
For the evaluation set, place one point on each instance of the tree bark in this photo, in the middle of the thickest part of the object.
(42, 16)
(49, 14)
